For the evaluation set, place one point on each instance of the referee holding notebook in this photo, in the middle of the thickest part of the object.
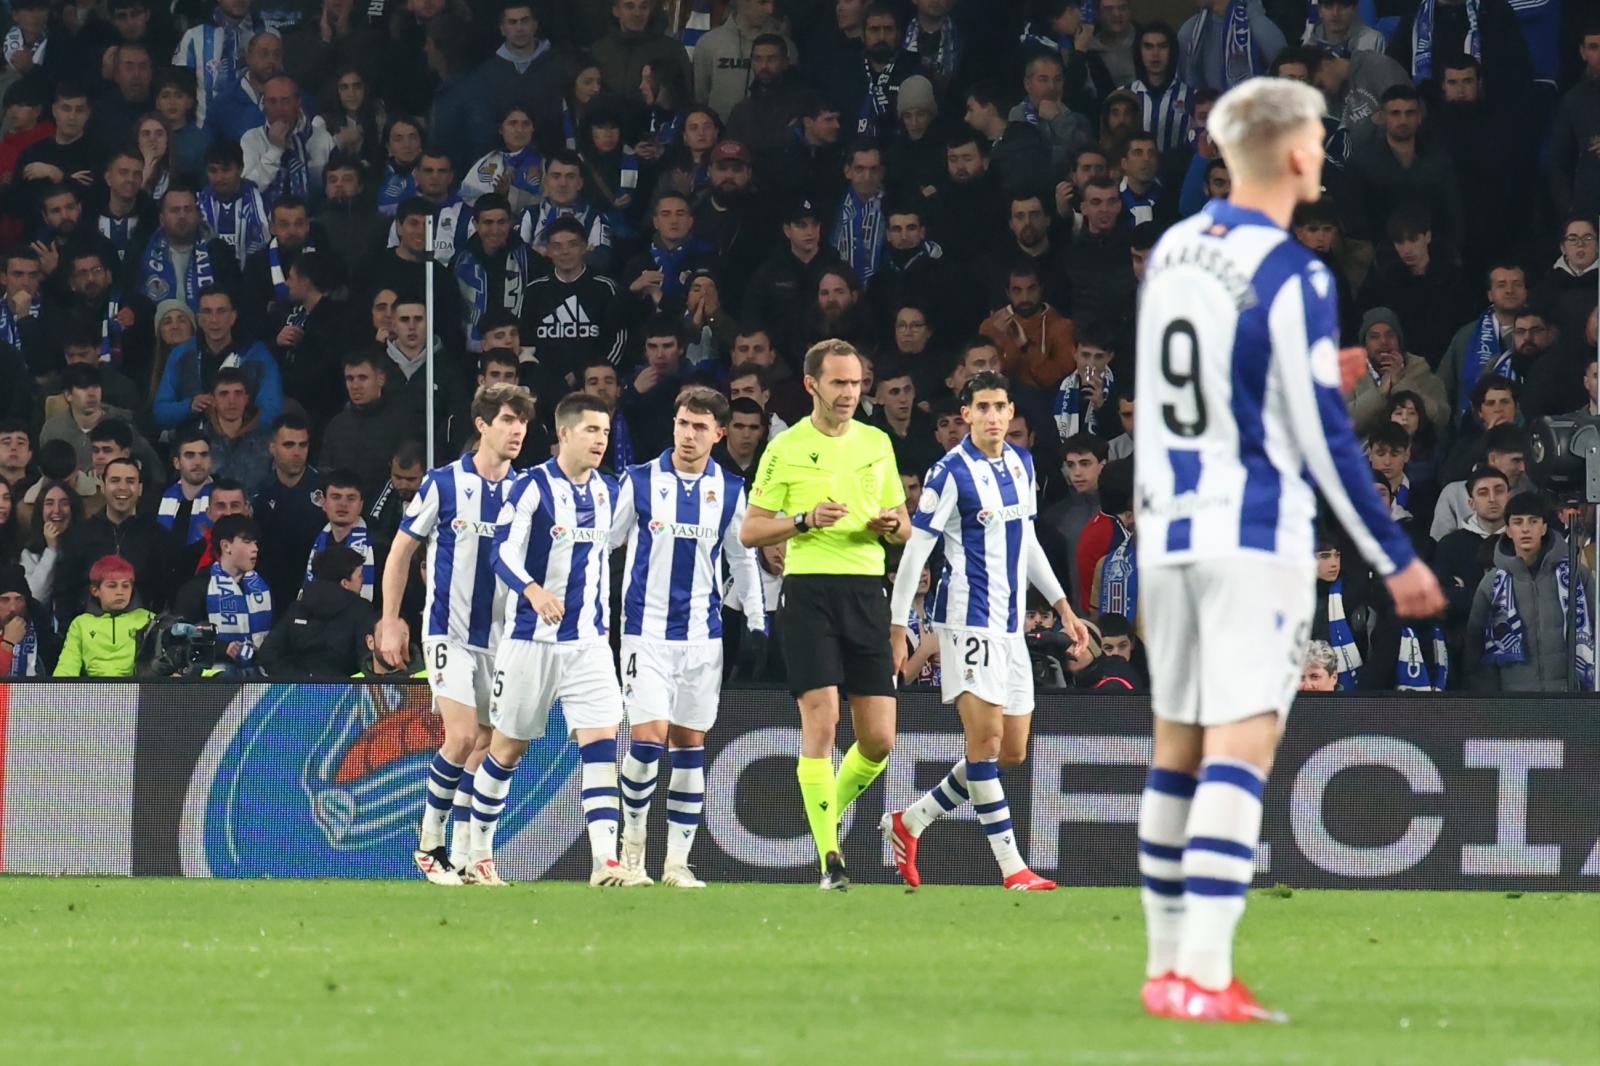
(828, 486)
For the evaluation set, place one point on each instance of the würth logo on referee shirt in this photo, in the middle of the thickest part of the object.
(569, 321)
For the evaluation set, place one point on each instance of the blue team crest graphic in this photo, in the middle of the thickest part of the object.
(330, 780)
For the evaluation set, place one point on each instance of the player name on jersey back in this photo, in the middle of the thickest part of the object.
(1240, 410)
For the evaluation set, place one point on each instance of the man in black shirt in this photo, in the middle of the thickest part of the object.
(289, 509)
(120, 530)
(67, 156)
(571, 314)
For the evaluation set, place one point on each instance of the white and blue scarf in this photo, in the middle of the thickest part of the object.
(569, 126)
(861, 233)
(111, 332)
(159, 280)
(698, 25)
(240, 608)
(472, 277)
(172, 502)
(943, 62)
(1239, 53)
(1505, 640)
(670, 261)
(358, 541)
(242, 221)
(294, 166)
(395, 189)
(1119, 576)
(525, 170)
(1073, 412)
(11, 326)
(15, 44)
(664, 126)
(1411, 670)
(280, 274)
(1422, 39)
(25, 655)
(877, 109)
(1342, 639)
(1486, 354)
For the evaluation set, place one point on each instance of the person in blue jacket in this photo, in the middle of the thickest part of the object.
(185, 390)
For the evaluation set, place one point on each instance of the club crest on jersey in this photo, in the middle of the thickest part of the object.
(711, 495)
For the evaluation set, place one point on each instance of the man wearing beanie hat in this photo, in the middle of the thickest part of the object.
(26, 648)
(1391, 370)
(916, 94)
(1516, 637)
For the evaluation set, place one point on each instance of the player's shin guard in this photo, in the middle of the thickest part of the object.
(461, 823)
(490, 786)
(817, 790)
(600, 798)
(686, 798)
(1219, 861)
(946, 796)
(641, 768)
(443, 777)
(856, 772)
(1163, 829)
(989, 800)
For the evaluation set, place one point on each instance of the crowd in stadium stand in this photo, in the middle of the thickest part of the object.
(213, 330)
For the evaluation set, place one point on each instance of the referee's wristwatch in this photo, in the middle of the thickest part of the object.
(800, 523)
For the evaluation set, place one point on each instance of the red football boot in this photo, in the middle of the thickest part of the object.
(1232, 1004)
(1025, 880)
(903, 845)
(1162, 996)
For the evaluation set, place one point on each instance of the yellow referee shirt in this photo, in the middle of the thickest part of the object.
(803, 467)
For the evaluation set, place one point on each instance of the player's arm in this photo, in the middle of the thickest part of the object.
(746, 571)
(511, 551)
(906, 578)
(1304, 327)
(1043, 578)
(392, 637)
(623, 516)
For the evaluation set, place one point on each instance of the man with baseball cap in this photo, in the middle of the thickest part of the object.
(734, 221)
(776, 297)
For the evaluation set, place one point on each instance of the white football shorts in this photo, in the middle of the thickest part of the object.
(680, 681)
(457, 672)
(992, 666)
(1225, 637)
(530, 675)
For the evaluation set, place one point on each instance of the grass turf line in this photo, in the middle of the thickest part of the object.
(172, 971)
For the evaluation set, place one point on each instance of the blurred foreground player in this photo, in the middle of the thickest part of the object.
(1239, 385)
(551, 550)
(980, 502)
(679, 515)
(454, 514)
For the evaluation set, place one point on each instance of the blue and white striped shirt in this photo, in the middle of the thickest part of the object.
(455, 512)
(1240, 412)
(556, 533)
(678, 530)
(1165, 112)
(215, 52)
(981, 507)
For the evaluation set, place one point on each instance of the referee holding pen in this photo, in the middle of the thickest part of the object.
(829, 487)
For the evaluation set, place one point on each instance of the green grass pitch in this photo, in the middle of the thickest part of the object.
(173, 972)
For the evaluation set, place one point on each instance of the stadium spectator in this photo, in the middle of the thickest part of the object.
(118, 530)
(1494, 401)
(1392, 370)
(1516, 636)
(179, 261)
(1480, 347)
(1427, 293)
(104, 640)
(289, 508)
(235, 430)
(389, 504)
(342, 505)
(27, 645)
(226, 497)
(1212, 54)
(1321, 670)
(1036, 341)
(183, 505)
(192, 368)
(363, 436)
(322, 636)
(231, 596)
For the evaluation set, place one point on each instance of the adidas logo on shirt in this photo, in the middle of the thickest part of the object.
(569, 321)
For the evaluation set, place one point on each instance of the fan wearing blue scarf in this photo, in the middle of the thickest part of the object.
(1516, 637)
(861, 229)
(177, 262)
(1226, 42)
(1483, 347)
(1332, 621)
(230, 595)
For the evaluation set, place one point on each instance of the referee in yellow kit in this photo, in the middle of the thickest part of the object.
(829, 486)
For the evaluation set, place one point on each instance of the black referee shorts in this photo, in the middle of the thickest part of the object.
(836, 633)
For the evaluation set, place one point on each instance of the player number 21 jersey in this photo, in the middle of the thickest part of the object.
(1240, 410)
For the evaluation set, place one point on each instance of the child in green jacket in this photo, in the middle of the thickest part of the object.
(104, 642)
